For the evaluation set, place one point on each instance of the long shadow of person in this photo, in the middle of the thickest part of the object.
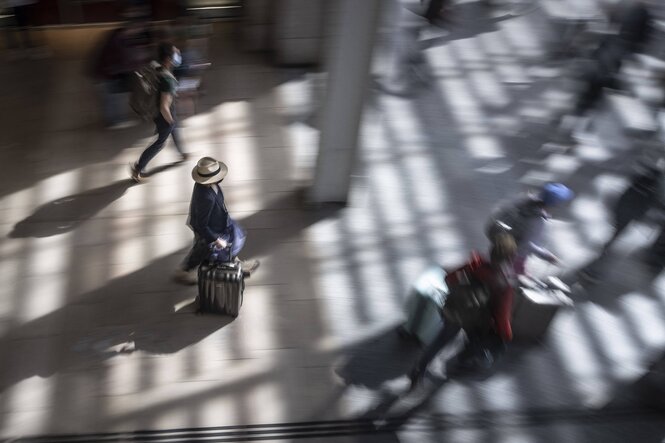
(162, 168)
(282, 219)
(134, 313)
(67, 213)
(377, 360)
(395, 409)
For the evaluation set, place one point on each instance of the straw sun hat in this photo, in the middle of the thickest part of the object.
(208, 171)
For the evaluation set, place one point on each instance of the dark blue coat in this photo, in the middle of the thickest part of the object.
(208, 216)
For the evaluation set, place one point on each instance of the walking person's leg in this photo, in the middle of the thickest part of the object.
(447, 333)
(196, 255)
(631, 206)
(619, 227)
(433, 10)
(163, 132)
(656, 254)
(177, 141)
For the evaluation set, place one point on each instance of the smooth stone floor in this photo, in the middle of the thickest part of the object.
(94, 337)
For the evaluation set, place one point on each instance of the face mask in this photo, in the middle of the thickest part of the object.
(177, 59)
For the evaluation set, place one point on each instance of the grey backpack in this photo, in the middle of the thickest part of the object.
(144, 91)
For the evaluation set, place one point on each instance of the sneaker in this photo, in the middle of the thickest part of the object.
(185, 277)
(137, 176)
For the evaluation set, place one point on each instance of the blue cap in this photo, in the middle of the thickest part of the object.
(556, 193)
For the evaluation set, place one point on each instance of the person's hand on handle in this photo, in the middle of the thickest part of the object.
(221, 243)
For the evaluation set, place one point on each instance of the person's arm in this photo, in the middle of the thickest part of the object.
(166, 99)
(200, 219)
(542, 253)
(534, 228)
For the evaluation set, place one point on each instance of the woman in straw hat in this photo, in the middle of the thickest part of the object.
(210, 221)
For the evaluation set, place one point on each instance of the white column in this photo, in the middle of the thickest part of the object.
(349, 59)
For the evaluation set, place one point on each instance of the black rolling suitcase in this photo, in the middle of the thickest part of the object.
(221, 286)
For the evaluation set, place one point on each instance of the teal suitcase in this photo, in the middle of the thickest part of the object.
(424, 305)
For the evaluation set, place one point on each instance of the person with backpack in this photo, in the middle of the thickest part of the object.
(479, 302)
(526, 219)
(214, 229)
(164, 108)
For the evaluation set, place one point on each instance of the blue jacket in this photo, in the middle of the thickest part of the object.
(208, 216)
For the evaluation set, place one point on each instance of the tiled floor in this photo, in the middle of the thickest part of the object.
(96, 338)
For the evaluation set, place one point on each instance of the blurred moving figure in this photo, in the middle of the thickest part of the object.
(479, 302)
(526, 220)
(644, 192)
(210, 221)
(434, 11)
(165, 122)
(121, 52)
(23, 11)
(632, 21)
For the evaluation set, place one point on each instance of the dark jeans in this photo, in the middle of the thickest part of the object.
(199, 252)
(163, 129)
(631, 206)
(434, 9)
(447, 333)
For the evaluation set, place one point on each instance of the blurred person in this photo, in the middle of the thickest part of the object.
(633, 23)
(526, 220)
(600, 73)
(23, 12)
(643, 193)
(111, 65)
(436, 11)
(211, 222)
(165, 122)
(655, 257)
(479, 302)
